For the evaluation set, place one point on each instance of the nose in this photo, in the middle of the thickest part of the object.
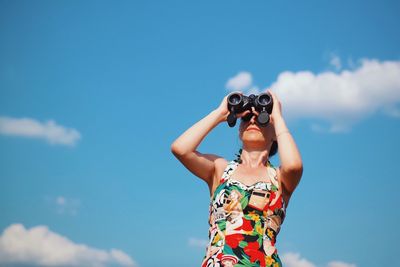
(253, 119)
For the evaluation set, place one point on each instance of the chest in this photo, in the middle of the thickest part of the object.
(250, 176)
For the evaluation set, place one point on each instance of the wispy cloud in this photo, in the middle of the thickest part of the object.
(31, 128)
(196, 242)
(64, 205)
(40, 246)
(340, 264)
(342, 98)
(336, 62)
(291, 259)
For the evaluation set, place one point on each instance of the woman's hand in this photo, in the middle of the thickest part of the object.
(224, 111)
(276, 108)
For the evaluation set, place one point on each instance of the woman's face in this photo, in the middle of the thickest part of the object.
(252, 133)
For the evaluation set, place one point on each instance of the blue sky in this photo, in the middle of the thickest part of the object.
(93, 93)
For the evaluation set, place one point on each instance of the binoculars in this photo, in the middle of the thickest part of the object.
(238, 103)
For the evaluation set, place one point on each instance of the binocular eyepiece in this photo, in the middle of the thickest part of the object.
(238, 103)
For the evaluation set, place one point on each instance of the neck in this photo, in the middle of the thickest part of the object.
(254, 157)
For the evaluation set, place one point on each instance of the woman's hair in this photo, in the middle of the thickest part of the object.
(274, 149)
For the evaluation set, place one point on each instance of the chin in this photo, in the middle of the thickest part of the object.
(253, 140)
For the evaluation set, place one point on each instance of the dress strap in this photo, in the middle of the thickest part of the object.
(232, 165)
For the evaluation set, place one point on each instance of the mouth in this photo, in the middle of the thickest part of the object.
(253, 128)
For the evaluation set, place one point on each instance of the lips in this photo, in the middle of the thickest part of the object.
(253, 128)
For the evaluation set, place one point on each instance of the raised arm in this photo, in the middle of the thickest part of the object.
(291, 168)
(184, 147)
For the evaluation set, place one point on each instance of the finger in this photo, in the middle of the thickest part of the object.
(244, 113)
(255, 111)
(273, 95)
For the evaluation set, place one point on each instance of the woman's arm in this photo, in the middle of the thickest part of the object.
(184, 147)
(291, 168)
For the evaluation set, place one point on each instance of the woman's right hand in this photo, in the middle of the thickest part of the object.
(224, 111)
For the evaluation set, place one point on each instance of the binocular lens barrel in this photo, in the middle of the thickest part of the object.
(234, 99)
(264, 99)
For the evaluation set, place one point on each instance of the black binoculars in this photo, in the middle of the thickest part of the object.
(238, 103)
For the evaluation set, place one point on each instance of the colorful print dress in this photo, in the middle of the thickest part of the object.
(244, 222)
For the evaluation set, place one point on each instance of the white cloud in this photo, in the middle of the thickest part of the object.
(340, 98)
(291, 259)
(340, 264)
(50, 131)
(343, 98)
(40, 246)
(195, 242)
(240, 82)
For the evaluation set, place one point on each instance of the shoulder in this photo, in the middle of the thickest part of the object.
(221, 163)
(220, 166)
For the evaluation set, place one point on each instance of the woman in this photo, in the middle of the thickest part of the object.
(249, 195)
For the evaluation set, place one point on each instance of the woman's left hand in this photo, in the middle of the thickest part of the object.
(276, 108)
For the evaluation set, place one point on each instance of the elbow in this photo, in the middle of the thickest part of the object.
(177, 150)
(174, 149)
(294, 167)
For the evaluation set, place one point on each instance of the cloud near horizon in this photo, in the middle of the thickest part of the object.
(31, 128)
(339, 98)
(40, 246)
(291, 259)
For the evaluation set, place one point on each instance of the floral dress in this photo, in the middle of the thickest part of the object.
(244, 222)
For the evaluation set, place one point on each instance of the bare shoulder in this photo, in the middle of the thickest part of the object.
(218, 160)
(220, 165)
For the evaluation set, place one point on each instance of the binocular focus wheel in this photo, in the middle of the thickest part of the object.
(263, 118)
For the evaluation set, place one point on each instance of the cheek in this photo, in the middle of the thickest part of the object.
(268, 131)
